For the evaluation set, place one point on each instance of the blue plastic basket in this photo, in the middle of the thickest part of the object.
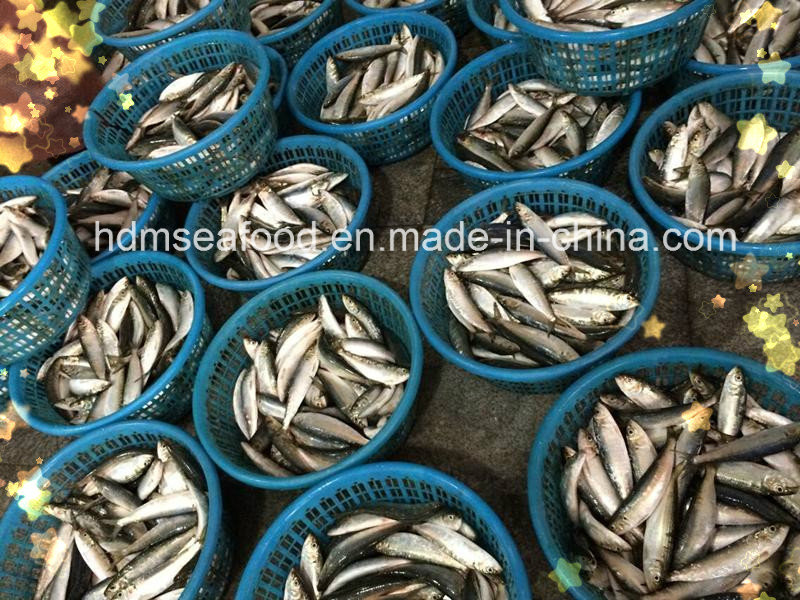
(507, 64)
(321, 150)
(167, 398)
(696, 71)
(56, 289)
(216, 164)
(395, 136)
(19, 572)
(212, 407)
(609, 63)
(403, 483)
(217, 14)
(278, 73)
(573, 410)
(295, 40)
(480, 13)
(452, 12)
(740, 96)
(77, 171)
(548, 196)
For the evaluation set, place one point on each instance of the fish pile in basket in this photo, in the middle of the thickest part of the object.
(282, 220)
(523, 305)
(685, 491)
(712, 176)
(379, 79)
(318, 389)
(124, 340)
(131, 529)
(148, 16)
(24, 233)
(593, 15)
(534, 124)
(272, 16)
(385, 550)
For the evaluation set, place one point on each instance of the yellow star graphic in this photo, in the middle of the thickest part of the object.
(653, 327)
(773, 302)
(90, 9)
(755, 134)
(784, 169)
(746, 15)
(697, 417)
(752, 287)
(102, 60)
(29, 18)
(39, 460)
(34, 114)
(718, 301)
(50, 93)
(59, 20)
(566, 575)
(23, 373)
(761, 53)
(789, 255)
(74, 142)
(14, 152)
(125, 101)
(747, 271)
(774, 25)
(43, 67)
(24, 68)
(84, 38)
(57, 53)
(67, 109)
(765, 596)
(765, 16)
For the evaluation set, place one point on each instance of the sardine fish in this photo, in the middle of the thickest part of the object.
(596, 15)
(148, 16)
(282, 220)
(317, 389)
(371, 82)
(189, 108)
(534, 124)
(730, 38)
(712, 176)
(523, 305)
(271, 16)
(421, 551)
(132, 529)
(24, 233)
(690, 490)
(119, 345)
(500, 20)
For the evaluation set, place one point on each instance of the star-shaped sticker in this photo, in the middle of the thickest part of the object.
(67, 109)
(765, 596)
(774, 25)
(765, 15)
(59, 20)
(102, 60)
(706, 309)
(84, 38)
(74, 142)
(34, 113)
(39, 460)
(748, 271)
(125, 101)
(3, 374)
(773, 302)
(50, 93)
(697, 417)
(90, 9)
(761, 53)
(24, 40)
(7, 427)
(43, 544)
(566, 575)
(718, 301)
(653, 327)
(752, 287)
(23, 373)
(784, 169)
(14, 152)
(795, 322)
(120, 83)
(755, 134)
(79, 114)
(774, 69)
(29, 18)
(789, 255)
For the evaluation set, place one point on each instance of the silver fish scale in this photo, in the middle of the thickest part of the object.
(24, 234)
(594, 15)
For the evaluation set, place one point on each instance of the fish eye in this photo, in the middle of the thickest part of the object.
(773, 529)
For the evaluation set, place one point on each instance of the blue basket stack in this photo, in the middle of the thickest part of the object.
(740, 96)
(217, 14)
(482, 16)
(324, 151)
(510, 63)
(316, 510)
(55, 290)
(391, 138)
(216, 164)
(696, 71)
(19, 571)
(225, 358)
(546, 196)
(452, 12)
(664, 367)
(167, 398)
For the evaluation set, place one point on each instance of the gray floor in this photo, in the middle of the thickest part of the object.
(465, 426)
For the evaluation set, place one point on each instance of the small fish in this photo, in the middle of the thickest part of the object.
(271, 16)
(24, 234)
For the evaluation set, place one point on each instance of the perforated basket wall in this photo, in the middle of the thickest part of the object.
(573, 410)
(316, 510)
(452, 12)
(481, 14)
(321, 150)
(55, 290)
(740, 96)
(225, 359)
(19, 571)
(511, 63)
(546, 197)
(217, 163)
(167, 398)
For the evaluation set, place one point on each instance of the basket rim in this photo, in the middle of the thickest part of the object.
(279, 36)
(108, 96)
(125, 258)
(311, 497)
(323, 46)
(364, 453)
(368, 10)
(283, 73)
(566, 401)
(256, 285)
(554, 372)
(110, 39)
(486, 27)
(639, 148)
(596, 38)
(716, 70)
(213, 491)
(57, 234)
(73, 162)
(459, 80)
